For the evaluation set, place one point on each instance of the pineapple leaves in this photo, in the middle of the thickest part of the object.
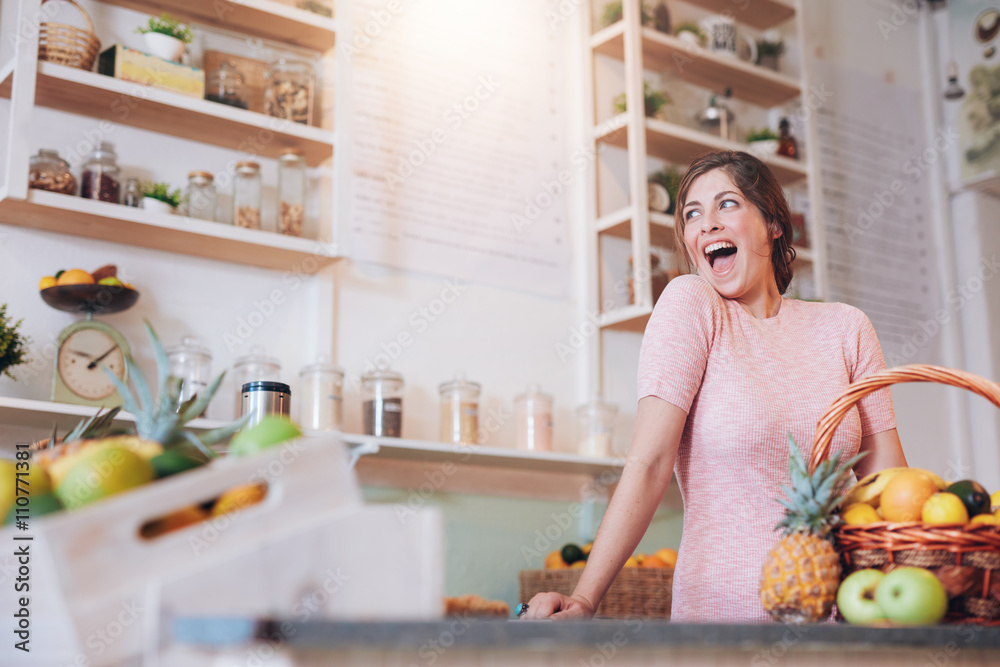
(223, 432)
(127, 399)
(201, 402)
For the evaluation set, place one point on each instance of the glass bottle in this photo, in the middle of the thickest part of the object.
(289, 90)
(321, 389)
(787, 145)
(48, 171)
(192, 363)
(100, 174)
(382, 403)
(253, 366)
(460, 411)
(133, 193)
(225, 86)
(595, 428)
(246, 195)
(201, 195)
(533, 420)
(291, 192)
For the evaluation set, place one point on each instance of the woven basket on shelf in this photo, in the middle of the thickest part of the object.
(637, 592)
(965, 559)
(68, 45)
(252, 71)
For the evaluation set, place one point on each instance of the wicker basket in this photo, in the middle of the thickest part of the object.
(963, 558)
(252, 71)
(68, 45)
(637, 592)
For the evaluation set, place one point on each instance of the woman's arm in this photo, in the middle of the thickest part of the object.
(655, 440)
(884, 451)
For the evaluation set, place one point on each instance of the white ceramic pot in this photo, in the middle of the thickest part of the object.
(763, 149)
(150, 204)
(164, 46)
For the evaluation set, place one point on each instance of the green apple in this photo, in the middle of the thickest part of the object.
(912, 596)
(110, 280)
(856, 597)
(268, 432)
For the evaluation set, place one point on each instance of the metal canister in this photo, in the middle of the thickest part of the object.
(262, 398)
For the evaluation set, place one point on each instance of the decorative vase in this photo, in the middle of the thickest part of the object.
(763, 149)
(157, 206)
(164, 46)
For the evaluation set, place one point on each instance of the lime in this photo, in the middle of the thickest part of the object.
(103, 472)
(172, 462)
(269, 432)
(40, 505)
(571, 553)
(973, 496)
(110, 280)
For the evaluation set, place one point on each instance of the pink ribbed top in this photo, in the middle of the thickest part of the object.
(745, 383)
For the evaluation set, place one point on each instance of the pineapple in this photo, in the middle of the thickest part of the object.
(799, 580)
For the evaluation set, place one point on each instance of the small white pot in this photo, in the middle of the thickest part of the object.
(150, 204)
(164, 46)
(763, 149)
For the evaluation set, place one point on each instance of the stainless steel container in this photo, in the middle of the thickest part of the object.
(262, 398)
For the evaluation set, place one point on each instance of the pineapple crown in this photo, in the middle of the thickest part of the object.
(810, 500)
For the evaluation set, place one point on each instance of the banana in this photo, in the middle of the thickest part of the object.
(869, 489)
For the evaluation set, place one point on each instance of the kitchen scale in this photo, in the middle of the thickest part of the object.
(85, 348)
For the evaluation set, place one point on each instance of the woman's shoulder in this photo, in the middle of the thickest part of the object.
(687, 298)
(843, 314)
(689, 286)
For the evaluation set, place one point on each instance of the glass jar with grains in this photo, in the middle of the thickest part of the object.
(100, 174)
(48, 171)
(382, 403)
(460, 411)
(246, 195)
(291, 192)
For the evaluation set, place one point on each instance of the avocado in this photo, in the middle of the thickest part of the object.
(973, 496)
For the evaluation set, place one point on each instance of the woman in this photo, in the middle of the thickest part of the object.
(728, 367)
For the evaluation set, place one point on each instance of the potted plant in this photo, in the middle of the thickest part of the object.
(159, 197)
(691, 32)
(762, 142)
(613, 14)
(654, 100)
(670, 179)
(768, 52)
(166, 37)
(13, 346)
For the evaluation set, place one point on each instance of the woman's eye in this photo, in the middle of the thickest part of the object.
(727, 203)
(690, 214)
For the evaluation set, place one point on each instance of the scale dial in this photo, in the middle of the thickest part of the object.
(82, 352)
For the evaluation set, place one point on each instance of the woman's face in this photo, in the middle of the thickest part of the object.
(726, 237)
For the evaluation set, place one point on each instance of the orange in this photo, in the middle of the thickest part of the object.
(668, 556)
(859, 513)
(586, 548)
(75, 277)
(904, 496)
(186, 516)
(633, 561)
(238, 498)
(47, 282)
(554, 561)
(578, 565)
(653, 561)
(945, 508)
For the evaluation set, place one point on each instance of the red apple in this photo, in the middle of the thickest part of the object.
(856, 597)
(912, 596)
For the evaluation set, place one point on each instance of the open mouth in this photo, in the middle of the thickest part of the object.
(721, 256)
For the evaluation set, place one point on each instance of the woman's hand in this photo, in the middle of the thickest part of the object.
(558, 607)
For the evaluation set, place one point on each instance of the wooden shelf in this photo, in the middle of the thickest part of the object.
(660, 52)
(678, 144)
(760, 14)
(257, 18)
(619, 225)
(107, 98)
(629, 318)
(66, 214)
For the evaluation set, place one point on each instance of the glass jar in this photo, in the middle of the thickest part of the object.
(382, 403)
(192, 363)
(246, 195)
(254, 366)
(291, 192)
(533, 420)
(460, 411)
(595, 428)
(288, 92)
(201, 195)
(100, 174)
(225, 86)
(133, 193)
(321, 387)
(48, 171)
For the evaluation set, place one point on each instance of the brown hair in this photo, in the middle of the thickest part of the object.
(758, 184)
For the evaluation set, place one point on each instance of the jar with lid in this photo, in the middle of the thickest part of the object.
(289, 90)
(192, 363)
(101, 174)
(460, 411)
(595, 428)
(225, 86)
(201, 195)
(133, 193)
(261, 398)
(533, 420)
(321, 396)
(253, 366)
(382, 403)
(246, 195)
(291, 192)
(48, 171)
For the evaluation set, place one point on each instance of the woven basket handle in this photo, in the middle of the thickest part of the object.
(86, 16)
(829, 422)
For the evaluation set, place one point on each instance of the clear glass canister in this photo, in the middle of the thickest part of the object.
(101, 174)
(533, 420)
(382, 403)
(133, 193)
(460, 411)
(595, 428)
(201, 195)
(254, 366)
(225, 86)
(291, 192)
(192, 363)
(246, 195)
(289, 90)
(321, 396)
(48, 171)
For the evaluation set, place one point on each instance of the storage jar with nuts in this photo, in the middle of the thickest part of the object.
(48, 171)
(289, 90)
(246, 195)
(291, 192)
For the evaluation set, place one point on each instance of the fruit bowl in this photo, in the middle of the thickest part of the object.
(93, 299)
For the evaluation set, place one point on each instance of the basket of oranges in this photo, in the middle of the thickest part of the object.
(641, 589)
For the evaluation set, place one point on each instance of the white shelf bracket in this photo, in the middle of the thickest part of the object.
(360, 449)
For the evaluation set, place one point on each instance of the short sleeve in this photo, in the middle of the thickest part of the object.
(678, 340)
(864, 355)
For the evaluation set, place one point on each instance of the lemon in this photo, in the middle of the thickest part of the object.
(103, 472)
(944, 508)
(860, 513)
(8, 486)
(995, 501)
(110, 281)
(981, 519)
(633, 561)
(47, 282)
(578, 565)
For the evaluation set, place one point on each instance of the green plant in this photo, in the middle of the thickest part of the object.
(669, 178)
(13, 346)
(166, 24)
(766, 47)
(613, 14)
(693, 28)
(763, 134)
(654, 100)
(162, 192)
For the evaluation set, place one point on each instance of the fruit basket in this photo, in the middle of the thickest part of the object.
(966, 558)
(637, 592)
